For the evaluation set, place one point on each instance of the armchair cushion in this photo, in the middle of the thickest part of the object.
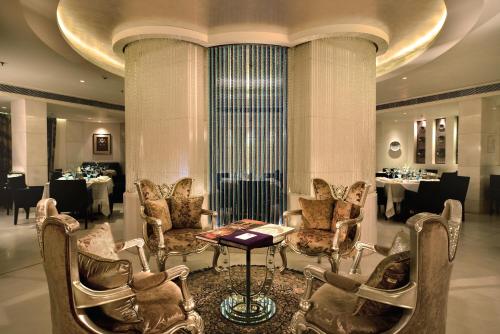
(103, 274)
(150, 191)
(311, 241)
(316, 214)
(160, 307)
(159, 209)
(392, 272)
(182, 240)
(186, 211)
(99, 241)
(343, 210)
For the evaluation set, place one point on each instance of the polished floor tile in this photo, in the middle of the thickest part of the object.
(474, 298)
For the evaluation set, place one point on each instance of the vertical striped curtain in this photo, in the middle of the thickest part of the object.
(248, 131)
(51, 144)
(5, 144)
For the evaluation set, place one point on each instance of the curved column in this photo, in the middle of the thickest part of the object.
(332, 116)
(165, 116)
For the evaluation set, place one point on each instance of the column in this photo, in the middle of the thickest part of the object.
(29, 140)
(332, 117)
(165, 117)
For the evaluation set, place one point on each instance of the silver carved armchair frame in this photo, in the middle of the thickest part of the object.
(421, 296)
(335, 255)
(160, 249)
(81, 297)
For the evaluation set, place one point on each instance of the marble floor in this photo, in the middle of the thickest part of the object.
(474, 298)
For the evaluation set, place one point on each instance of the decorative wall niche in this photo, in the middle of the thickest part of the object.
(420, 142)
(440, 141)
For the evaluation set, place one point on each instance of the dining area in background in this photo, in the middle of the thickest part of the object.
(405, 192)
(394, 183)
(67, 189)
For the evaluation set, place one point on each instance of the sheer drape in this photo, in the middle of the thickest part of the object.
(248, 125)
(5, 144)
(51, 143)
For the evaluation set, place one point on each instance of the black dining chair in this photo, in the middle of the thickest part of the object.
(72, 196)
(445, 177)
(427, 199)
(381, 201)
(26, 198)
(435, 171)
(13, 183)
(455, 188)
(380, 174)
(494, 192)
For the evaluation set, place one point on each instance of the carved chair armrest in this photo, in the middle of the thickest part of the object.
(344, 224)
(155, 223)
(182, 273)
(287, 214)
(139, 243)
(360, 247)
(86, 297)
(405, 297)
(310, 272)
(213, 216)
(342, 282)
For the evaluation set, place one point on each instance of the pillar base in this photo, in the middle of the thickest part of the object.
(132, 227)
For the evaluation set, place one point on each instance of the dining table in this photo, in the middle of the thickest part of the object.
(395, 190)
(101, 186)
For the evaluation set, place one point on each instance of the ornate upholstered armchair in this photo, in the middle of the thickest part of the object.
(172, 219)
(343, 214)
(452, 213)
(90, 294)
(406, 293)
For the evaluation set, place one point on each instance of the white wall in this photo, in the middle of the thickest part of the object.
(399, 126)
(74, 143)
(29, 140)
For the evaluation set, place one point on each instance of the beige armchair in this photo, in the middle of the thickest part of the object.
(336, 243)
(162, 236)
(406, 293)
(452, 213)
(156, 302)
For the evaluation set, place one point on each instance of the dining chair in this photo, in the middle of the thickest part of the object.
(72, 196)
(26, 198)
(494, 192)
(456, 188)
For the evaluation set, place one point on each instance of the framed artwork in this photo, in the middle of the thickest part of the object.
(102, 143)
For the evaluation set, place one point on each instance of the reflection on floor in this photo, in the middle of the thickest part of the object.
(474, 299)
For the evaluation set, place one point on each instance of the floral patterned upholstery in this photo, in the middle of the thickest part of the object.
(311, 241)
(99, 241)
(182, 188)
(317, 213)
(357, 192)
(186, 211)
(159, 209)
(149, 190)
(321, 189)
(183, 240)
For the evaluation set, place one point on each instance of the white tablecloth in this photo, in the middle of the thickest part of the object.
(101, 188)
(395, 191)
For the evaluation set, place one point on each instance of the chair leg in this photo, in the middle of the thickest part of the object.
(16, 214)
(27, 210)
(282, 249)
(162, 260)
(334, 262)
(86, 218)
(184, 258)
(215, 258)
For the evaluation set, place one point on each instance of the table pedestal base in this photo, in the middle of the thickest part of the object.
(235, 309)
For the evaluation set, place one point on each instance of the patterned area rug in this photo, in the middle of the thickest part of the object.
(210, 288)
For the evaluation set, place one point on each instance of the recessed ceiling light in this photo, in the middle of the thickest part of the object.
(404, 78)
(89, 117)
(404, 113)
(4, 107)
(99, 121)
(82, 81)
